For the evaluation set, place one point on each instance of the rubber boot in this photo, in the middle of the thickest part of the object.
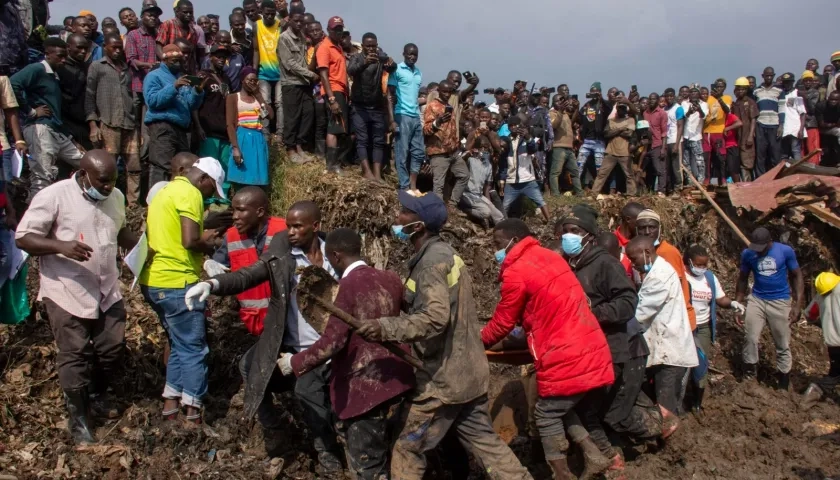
(594, 461)
(784, 381)
(811, 396)
(79, 423)
(698, 400)
(750, 371)
(560, 467)
(332, 160)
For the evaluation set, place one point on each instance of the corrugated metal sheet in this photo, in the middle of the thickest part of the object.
(761, 194)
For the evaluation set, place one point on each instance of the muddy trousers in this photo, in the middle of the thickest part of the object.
(369, 438)
(626, 409)
(311, 391)
(428, 421)
(668, 384)
(84, 343)
(774, 313)
(555, 416)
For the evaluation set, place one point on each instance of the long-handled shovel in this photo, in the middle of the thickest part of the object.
(316, 292)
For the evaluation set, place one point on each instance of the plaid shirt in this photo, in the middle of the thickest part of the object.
(139, 47)
(108, 96)
(171, 30)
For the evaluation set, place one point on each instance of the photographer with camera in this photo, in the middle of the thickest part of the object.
(695, 113)
(619, 132)
(522, 166)
(593, 122)
(440, 128)
(371, 104)
(500, 95)
(562, 154)
(541, 132)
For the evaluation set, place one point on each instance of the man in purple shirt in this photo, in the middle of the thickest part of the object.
(655, 156)
(362, 397)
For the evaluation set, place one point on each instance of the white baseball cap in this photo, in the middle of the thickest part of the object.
(213, 168)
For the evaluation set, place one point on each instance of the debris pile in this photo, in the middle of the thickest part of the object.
(747, 432)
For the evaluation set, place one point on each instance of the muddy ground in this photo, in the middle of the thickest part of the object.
(747, 432)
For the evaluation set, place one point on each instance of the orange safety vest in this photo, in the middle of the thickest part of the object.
(253, 303)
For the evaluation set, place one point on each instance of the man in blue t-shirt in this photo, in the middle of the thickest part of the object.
(771, 264)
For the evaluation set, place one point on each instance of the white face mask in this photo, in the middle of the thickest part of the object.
(697, 271)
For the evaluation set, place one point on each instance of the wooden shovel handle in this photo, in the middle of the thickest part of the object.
(355, 324)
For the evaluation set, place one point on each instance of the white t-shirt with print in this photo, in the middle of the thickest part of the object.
(693, 130)
(701, 296)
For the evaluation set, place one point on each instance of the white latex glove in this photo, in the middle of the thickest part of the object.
(284, 363)
(213, 268)
(740, 309)
(197, 293)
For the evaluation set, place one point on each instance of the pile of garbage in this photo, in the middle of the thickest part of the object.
(748, 431)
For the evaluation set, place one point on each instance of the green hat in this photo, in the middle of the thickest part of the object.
(596, 86)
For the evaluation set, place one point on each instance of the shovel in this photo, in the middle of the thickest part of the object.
(316, 292)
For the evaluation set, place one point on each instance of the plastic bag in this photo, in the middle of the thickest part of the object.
(14, 300)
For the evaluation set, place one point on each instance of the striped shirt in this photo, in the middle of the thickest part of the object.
(248, 115)
(769, 100)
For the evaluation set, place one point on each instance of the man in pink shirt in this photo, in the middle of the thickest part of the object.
(74, 226)
(658, 120)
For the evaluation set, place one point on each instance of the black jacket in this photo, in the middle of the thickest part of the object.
(277, 266)
(612, 297)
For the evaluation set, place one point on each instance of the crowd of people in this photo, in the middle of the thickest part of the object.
(179, 114)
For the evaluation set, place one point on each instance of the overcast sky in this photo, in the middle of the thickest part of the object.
(651, 43)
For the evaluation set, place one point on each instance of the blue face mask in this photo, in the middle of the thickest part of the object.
(572, 244)
(646, 268)
(501, 254)
(398, 232)
(93, 193)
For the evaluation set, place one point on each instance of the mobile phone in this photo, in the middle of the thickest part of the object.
(468, 74)
(448, 109)
(194, 80)
(633, 88)
(482, 125)
(574, 97)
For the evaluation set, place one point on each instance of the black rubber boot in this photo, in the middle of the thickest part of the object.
(750, 371)
(784, 381)
(698, 400)
(79, 423)
(333, 165)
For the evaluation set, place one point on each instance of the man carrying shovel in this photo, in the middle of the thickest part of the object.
(440, 323)
(368, 382)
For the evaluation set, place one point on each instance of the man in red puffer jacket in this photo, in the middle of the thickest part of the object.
(571, 355)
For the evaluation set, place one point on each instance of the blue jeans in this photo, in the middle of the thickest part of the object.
(409, 140)
(186, 372)
(791, 147)
(515, 190)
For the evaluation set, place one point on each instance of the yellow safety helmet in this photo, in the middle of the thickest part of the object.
(826, 282)
(742, 82)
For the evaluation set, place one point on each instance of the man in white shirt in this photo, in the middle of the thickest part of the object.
(673, 142)
(521, 178)
(793, 130)
(663, 315)
(695, 113)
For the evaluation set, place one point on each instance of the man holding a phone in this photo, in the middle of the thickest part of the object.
(332, 67)
(442, 141)
(170, 99)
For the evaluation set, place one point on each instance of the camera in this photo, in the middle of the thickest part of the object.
(548, 90)
(591, 95)
(491, 91)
